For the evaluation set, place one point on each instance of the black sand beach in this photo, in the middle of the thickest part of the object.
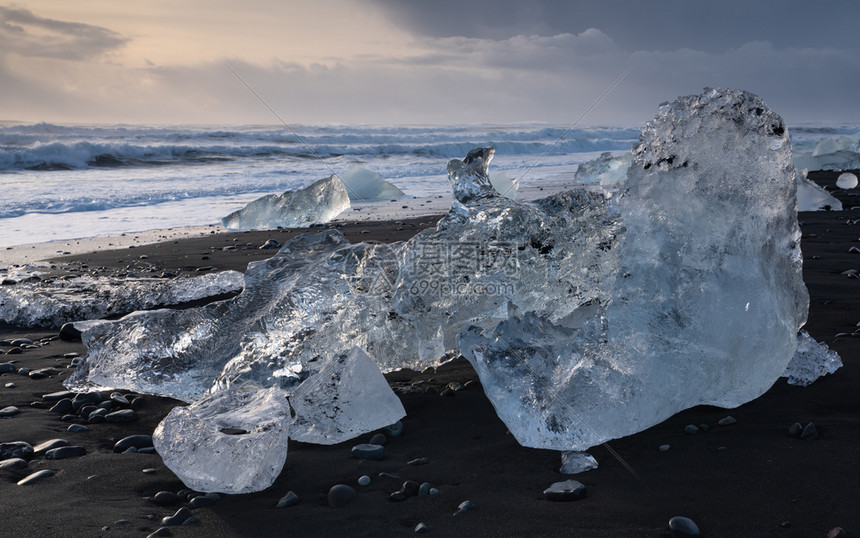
(751, 478)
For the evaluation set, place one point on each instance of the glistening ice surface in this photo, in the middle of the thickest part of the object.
(586, 318)
(319, 202)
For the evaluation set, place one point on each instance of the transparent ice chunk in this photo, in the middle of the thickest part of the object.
(51, 303)
(811, 197)
(234, 441)
(811, 361)
(319, 202)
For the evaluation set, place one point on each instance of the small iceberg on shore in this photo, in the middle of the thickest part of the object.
(318, 203)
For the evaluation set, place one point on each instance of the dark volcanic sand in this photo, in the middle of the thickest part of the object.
(749, 479)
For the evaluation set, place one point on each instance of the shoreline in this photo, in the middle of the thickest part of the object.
(750, 478)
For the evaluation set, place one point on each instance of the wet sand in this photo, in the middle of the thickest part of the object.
(748, 479)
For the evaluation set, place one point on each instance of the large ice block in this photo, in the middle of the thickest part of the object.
(317, 203)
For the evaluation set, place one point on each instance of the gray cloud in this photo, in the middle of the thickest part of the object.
(638, 25)
(26, 34)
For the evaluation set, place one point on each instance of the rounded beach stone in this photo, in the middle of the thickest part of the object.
(418, 461)
(57, 396)
(201, 500)
(340, 495)
(124, 415)
(810, 432)
(569, 490)
(15, 351)
(161, 531)
(367, 451)
(795, 429)
(178, 518)
(10, 385)
(410, 487)
(378, 439)
(837, 532)
(63, 407)
(69, 333)
(7, 368)
(691, 429)
(35, 477)
(665, 448)
(166, 498)
(394, 430)
(727, 421)
(290, 499)
(16, 449)
(424, 489)
(136, 441)
(364, 480)
(10, 411)
(422, 528)
(464, 507)
(65, 452)
(86, 398)
(13, 463)
(398, 496)
(119, 398)
(49, 445)
(683, 526)
(77, 428)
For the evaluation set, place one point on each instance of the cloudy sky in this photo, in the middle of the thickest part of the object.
(417, 61)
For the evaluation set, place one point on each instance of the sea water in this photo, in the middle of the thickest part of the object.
(75, 181)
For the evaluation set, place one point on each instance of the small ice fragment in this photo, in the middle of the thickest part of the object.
(846, 180)
(573, 462)
(811, 361)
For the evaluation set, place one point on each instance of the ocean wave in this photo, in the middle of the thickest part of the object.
(55, 147)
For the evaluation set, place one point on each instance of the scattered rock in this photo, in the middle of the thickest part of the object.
(837, 532)
(35, 477)
(809, 433)
(178, 518)
(464, 507)
(86, 398)
(424, 489)
(16, 449)
(340, 495)
(9, 411)
(683, 526)
(63, 407)
(270, 244)
(364, 480)
(77, 428)
(290, 499)
(69, 333)
(149, 470)
(447, 393)
(48, 445)
(65, 452)
(434, 491)
(378, 439)
(367, 451)
(795, 429)
(202, 500)
(13, 463)
(119, 398)
(166, 498)
(10, 385)
(57, 396)
(410, 488)
(569, 490)
(418, 461)
(422, 528)
(691, 429)
(161, 531)
(665, 448)
(7, 368)
(395, 430)
(398, 496)
(123, 415)
(133, 441)
(727, 421)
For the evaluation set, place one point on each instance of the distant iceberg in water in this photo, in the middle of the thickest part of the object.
(318, 203)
